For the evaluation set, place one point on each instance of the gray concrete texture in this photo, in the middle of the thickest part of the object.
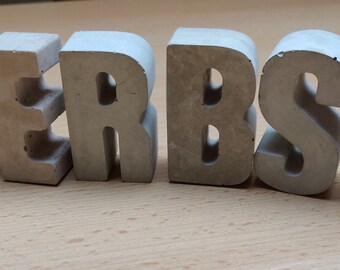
(108, 79)
(194, 103)
(29, 151)
(299, 153)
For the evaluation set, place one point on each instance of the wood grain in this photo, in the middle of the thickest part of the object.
(115, 225)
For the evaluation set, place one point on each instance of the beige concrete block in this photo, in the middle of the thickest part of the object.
(196, 106)
(30, 152)
(108, 78)
(299, 153)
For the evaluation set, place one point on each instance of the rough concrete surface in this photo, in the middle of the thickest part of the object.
(108, 78)
(30, 152)
(299, 153)
(195, 105)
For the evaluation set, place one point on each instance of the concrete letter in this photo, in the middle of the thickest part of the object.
(301, 155)
(108, 78)
(196, 106)
(29, 151)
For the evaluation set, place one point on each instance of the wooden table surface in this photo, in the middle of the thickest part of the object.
(115, 225)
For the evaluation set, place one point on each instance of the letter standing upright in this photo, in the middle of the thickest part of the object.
(196, 106)
(108, 78)
(30, 152)
(299, 152)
